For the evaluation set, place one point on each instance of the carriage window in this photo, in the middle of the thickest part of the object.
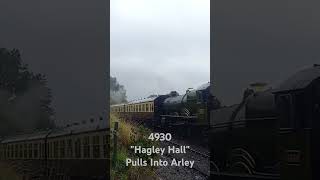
(69, 148)
(12, 151)
(21, 151)
(25, 151)
(5, 151)
(35, 150)
(62, 148)
(40, 150)
(77, 150)
(55, 149)
(30, 150)
(86, 147)
(285, 107)
(105, 146)
(50, 150)
(96, 146)
(8, 151)
(43, 150)
(16, 151)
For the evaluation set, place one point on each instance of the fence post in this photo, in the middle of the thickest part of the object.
(115, 142)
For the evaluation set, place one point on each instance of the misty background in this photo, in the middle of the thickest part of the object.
(261, 41)
(66, 41)
(159, 46)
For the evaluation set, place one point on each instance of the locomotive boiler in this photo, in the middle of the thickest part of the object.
(190, 108)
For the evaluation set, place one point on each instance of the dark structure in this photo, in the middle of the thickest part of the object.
(271, 133)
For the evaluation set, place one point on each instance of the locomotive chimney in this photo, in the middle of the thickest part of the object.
(174, 93)
(258, 86)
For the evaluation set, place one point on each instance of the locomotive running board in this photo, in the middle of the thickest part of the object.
(228, 176)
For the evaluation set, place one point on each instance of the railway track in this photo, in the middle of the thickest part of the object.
(201, 158)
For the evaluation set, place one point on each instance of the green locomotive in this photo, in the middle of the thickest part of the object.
(190, 110)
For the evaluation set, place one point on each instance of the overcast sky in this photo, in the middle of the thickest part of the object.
(262, 41)
(160, 45)
(66, 40)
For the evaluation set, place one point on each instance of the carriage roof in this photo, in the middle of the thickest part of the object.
(143, 100)
(83, 128)
(27, 136)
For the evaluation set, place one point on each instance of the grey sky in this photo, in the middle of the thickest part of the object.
(262, 41)
(66, 40)
(160, 45)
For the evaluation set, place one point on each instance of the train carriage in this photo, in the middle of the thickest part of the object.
(76, 151)
(144, 111)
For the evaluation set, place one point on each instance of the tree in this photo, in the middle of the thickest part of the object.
(25, 97)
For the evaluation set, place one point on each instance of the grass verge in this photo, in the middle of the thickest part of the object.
(130, 134)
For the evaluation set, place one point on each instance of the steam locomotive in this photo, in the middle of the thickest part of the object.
(168, 111)
(270, 133)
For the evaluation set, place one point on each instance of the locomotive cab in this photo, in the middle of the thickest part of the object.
(297, 101)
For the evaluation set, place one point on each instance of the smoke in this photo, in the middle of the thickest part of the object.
(24, 112)
(117, 92)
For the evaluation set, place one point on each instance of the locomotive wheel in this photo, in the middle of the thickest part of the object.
(241, 168)
(214, 167)
(240, 161)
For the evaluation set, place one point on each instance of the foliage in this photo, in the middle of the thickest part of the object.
(131, 134)
(24, 96)
(7, 173)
